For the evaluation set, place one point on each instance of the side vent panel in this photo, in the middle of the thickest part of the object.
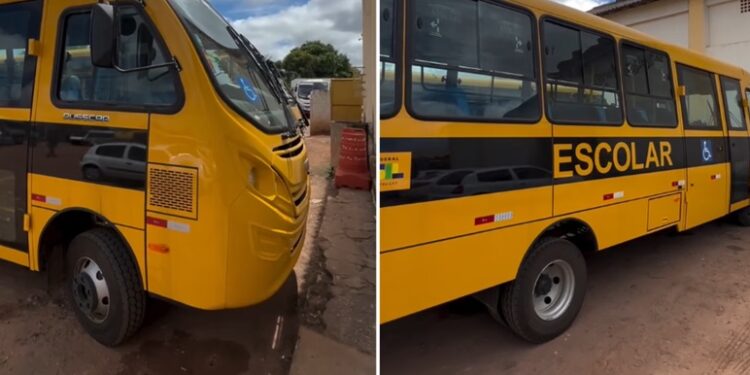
(173, 190)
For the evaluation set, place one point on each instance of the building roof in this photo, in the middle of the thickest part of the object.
(617, 6)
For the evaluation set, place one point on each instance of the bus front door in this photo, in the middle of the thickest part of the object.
(706, 147)
(19, 23)
(739, 147)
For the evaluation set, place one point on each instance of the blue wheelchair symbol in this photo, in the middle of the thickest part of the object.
(248, 89)
(707, 155)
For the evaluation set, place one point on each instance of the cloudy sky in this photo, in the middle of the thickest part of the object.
(277, 26)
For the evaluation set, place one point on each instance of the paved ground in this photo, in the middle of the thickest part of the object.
(339, 290)
(665, 304)
(39, 335)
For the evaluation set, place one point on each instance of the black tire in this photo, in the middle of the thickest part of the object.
(126, 300)
(516, 298)
(92, 173)
(743, 217)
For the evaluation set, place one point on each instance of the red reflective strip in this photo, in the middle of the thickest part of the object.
(484, 220)
(675, 183)
(609, 196)
(156, 222)
(38, 198)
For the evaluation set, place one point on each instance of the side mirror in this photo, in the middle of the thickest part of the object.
(103, 36)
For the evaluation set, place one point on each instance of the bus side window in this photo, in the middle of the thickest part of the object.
(647, 80)
(388, 59)
(18, 24)
(581, 83)
(699, 105)
(733, 103)
(81, 82)
(472, 60)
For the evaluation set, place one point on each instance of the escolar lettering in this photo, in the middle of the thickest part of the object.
(583, 159)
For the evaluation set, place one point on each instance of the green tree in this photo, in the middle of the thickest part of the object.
(316, 60)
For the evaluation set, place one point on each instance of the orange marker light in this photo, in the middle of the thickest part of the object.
(159, 248)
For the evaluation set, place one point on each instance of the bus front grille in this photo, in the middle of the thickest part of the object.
(291, 149)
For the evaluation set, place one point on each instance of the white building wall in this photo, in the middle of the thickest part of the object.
(665, 19)
(727, 30)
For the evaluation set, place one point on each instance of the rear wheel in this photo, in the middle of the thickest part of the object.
(743, 217)
(104, 286)
(548, 292)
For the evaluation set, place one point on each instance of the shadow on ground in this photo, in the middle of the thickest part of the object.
(39, 334)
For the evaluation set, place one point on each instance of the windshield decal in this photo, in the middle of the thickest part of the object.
(248, 89)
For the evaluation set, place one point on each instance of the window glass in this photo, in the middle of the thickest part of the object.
(472, 60)
(453, 178)
(388, 60)
(81, 81)
(240, 76)
(733, 103)
(111, 151)
(505, 41)
(137, 154)
(634, 79)
(659, 75)
(699, 103)
(647, 80)
(498, 175)
(531, 173)
(18, 24)
(580, 69)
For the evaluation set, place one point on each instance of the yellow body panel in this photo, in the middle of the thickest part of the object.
(14, 256)
(120, 206)
(432, 221)
(664, 211)
(214, 256)
(420, 240)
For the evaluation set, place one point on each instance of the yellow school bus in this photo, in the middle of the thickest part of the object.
(518, 136)
(149, 147)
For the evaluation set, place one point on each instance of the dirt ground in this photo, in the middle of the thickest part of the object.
(664, 304)
(40, 335)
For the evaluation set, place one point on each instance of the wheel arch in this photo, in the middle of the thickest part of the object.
(65, 225)
(575, 230)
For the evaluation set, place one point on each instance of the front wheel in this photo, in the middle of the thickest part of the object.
(104, 286)
(548, 292)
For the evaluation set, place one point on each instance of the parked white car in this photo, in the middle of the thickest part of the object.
(124, 161)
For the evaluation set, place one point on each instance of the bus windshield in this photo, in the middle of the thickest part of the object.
(236, 73)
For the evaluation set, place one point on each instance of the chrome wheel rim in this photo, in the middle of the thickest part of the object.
(90, 290)
(553, 290)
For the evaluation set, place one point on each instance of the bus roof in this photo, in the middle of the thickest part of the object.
(679, 53)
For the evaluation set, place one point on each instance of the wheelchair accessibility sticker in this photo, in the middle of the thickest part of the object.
(248, 89)
(706, 151)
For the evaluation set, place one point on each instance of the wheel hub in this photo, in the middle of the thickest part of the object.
(554, 289)
(90, 290)
(85, 292)
(543, 285)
